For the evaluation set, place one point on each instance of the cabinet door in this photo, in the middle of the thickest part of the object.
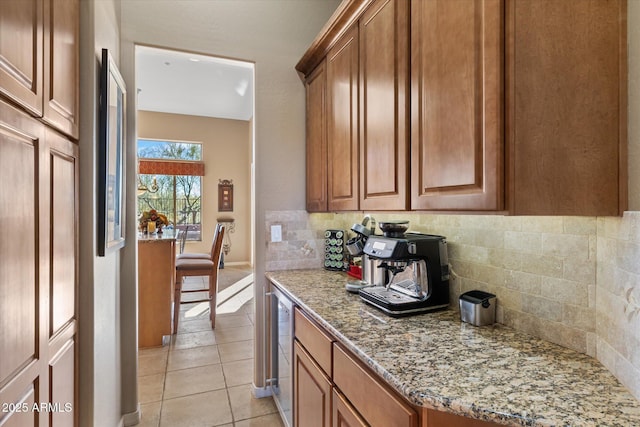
(456, 105)
(316, 89)
(566, 98)
(63, 275)
(375, 402)
(21, 47)
(344, 415)
(311, 391)
(384, 105)
(342, 124)
(39, 249)
(61, 55)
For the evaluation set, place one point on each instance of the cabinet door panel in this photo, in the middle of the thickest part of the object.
(384, 68)
(62, 42)
(62, 231)
(567, 107)
(378, 405)
(457, 87)
(311, 392)
(342, 130)
(21, 53)
(23, 270)
(344, 415)
(316, 88)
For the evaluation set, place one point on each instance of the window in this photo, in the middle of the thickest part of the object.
(169, 181)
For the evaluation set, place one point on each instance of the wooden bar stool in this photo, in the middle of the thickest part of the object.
(199, 267)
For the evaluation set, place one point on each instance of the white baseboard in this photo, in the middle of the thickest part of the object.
(132, 418)
(236, 263)
(260, 392)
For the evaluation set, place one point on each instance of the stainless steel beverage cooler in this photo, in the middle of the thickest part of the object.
(281, 382)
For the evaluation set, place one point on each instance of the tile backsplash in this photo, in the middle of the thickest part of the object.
(574, 281)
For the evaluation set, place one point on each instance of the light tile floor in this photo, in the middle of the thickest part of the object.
(203, 378)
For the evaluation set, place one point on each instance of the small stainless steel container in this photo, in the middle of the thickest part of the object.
(478, 308)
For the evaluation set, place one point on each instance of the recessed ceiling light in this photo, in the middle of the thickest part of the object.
(194, 60)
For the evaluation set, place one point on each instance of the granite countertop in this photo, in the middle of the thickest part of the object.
(490, 373)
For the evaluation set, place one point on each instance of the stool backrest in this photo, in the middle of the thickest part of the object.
(216, 245)
(183, 238)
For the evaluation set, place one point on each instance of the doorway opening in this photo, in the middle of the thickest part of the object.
(187, 99)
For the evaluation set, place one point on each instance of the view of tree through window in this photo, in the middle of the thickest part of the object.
(176, 196)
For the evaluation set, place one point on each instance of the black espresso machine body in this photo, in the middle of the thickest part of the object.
(417, 274)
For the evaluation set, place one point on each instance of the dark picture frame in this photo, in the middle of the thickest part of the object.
(225, 195)
(111, 165)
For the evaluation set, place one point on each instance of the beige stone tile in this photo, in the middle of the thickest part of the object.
(193, 380)
(543, 265)
(490, 238)
(238, 372)
(226, 321)
(566, 246)
(526, 242)
(565, 291)
(580, 224)
(152, 362)
(234, 334)
(244, 405)
(193, 339)
(582, 318)
(583, 271)
(272, 420)
(193, 357)
(199, 410)
(543, 224)
(233, 351)
(195, 325)
(150, 414)
(542, 308)
(150, 388)
(526, 283)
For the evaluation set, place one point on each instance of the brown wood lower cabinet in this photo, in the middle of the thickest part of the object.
(378, 405)
(311, 390)
(344, 415)
(340, 391)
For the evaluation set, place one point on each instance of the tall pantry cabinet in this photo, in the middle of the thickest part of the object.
(39, 42)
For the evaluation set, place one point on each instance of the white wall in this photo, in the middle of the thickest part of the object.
(99, 293)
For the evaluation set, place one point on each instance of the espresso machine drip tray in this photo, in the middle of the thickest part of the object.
(395, 303)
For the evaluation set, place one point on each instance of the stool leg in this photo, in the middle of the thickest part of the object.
(176, 302)
(212, 300)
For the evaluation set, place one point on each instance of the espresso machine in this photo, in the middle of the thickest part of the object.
(416, 270)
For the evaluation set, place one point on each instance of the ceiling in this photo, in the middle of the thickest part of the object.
(177, 82)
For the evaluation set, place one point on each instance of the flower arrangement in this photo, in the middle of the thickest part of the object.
(153, 216)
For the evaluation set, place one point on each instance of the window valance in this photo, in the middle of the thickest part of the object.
(170, 167)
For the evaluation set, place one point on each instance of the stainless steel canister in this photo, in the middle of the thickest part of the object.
(372, 273)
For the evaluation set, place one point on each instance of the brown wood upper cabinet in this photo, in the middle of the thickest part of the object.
(456, 105)
(566, 107)
(342, 123)
(40, 51)
(366, 125)
(384, 105)
(515, 105)
(316, 90)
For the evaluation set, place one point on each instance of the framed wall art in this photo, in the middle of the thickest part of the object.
(111, 189)
(225, 195)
